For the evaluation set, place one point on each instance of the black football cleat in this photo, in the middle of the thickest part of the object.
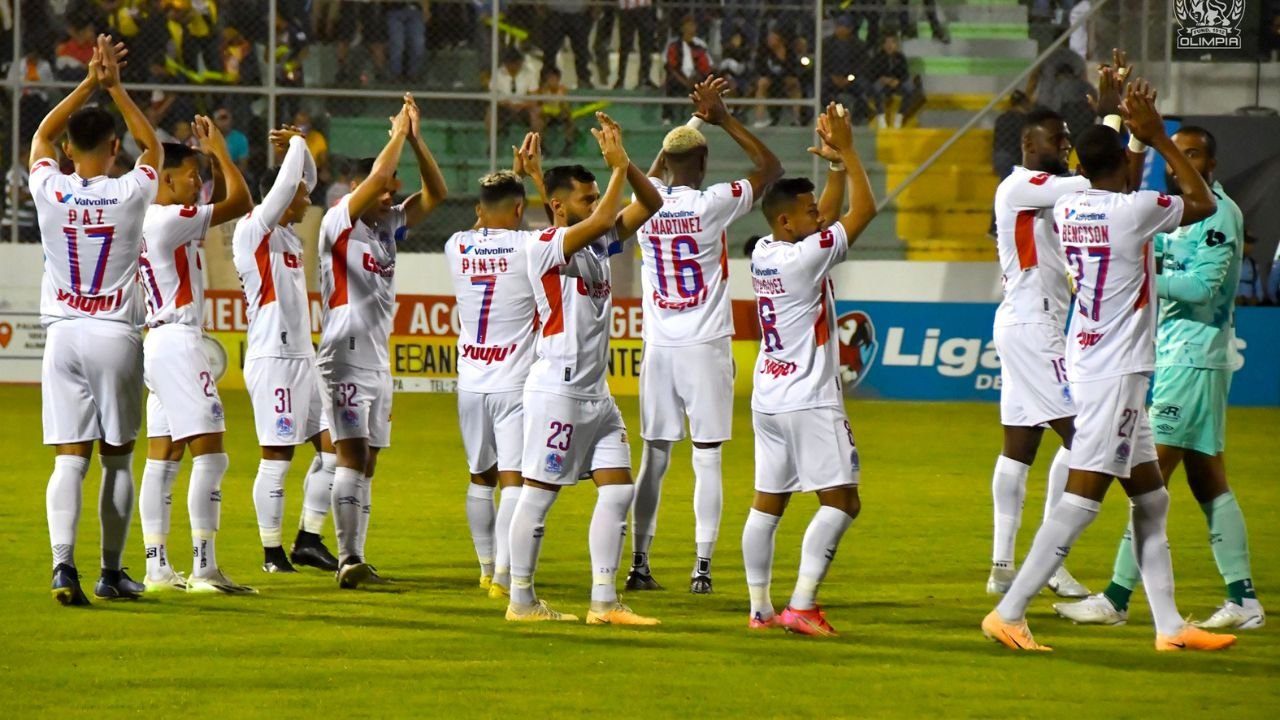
(274, 560)
(309, 550)
(117, 585)
(66, 586)
(637, 579)
(700, 585)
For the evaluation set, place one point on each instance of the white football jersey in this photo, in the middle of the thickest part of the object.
(170, 268)
(1106, 237)
(91, 234)
(1033, 272)
(269, 263)
(798, 365)
(574, 298)
(357, 284)
(495, 307)
(685, 253)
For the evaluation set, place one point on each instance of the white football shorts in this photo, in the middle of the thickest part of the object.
(1033, 375)
(566, 438)
(184, 398)
(288, 400)
(805, 451)
(360, 403)
(692, 380)
(1113, 432)
(91, 382)
(492, 427)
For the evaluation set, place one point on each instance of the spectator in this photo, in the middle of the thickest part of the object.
(291, 51)
(735, 66)
(316, 141)
(74, 53)
(890, 76)
(871, 12)
(1249, 292)
(556, 113)
(406, 30)
(1273, 280)
(908, 26)
(341, 184)
(192, 38)
(18, 205)
(637, 19)
(1061, 67)
(844, 60)
(1079, 42)
(239, 61)
(741, 18)
(688, 63)
(778, 73)
(33, 105)
(568, 18)
(141, 26)
(1270, 45)
(237, 143)
(511, 82)
(607, 17)
(365, 15)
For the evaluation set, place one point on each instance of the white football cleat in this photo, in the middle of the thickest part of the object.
(1066, 586)
(1231, 616)
(168, 579)
(217, 583)
(1000, 580)
(1093, 610)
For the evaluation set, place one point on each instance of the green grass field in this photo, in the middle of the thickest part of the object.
(906, 591)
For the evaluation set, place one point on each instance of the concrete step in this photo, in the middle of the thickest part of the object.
(1012, 30)
(985, 14)
(909, 147)
(952, 249)
(975, 47)
(938, 66)
(967, 84)
(952, 119)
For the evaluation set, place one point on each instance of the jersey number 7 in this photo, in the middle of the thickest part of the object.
(482, 325)
(1076, 257)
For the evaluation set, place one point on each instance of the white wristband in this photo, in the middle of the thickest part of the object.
(836, 166)
(1113, 121)
(695, 122)
(1136, 146)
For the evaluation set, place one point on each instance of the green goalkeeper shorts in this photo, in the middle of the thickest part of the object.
(1189, 408)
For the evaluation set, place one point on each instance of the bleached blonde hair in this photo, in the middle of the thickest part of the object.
(682, 140)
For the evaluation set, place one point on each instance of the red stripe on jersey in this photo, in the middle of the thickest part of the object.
(1144, 293)
(267, 289)
(724, 256)
(822, 328)
(555, 303)
(180, 263)
(1024, 237)
(339, 251)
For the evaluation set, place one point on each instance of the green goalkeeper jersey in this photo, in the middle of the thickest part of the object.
(1200, 270)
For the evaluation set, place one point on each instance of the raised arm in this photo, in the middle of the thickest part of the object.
(832, 199)
(862, 204)
(151, 152)
(292, 171)
(528, 163)
(1148, 127)
(44, 144)
(384, 167)
(708, 97)
(235, 201)
(605, 215)
(1208, 270)
(434, 190)
(648, 200)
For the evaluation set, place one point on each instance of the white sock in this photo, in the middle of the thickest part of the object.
(115, 507)
(155, 498)
(1008, 491)
(816, 553)
(1053, 541)
(608, 528)
(527, 526)
(268, 500)
(481, 519)
(502, 535)
(62, 505)
(347, 509)
(204, 505)
(317, 491)
(1149, 513)
(757, 556)
(707, 493)
(366, 508)
(1058, 472)
(655, 458)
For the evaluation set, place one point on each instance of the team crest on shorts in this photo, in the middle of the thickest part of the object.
(555, 462)
(1122, 452)
(350, 418)
(284, 426)
(855, 462)
(217, 411)
(1066, 394)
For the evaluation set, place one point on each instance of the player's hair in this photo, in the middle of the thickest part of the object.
(363, 167)
(782, 194)
(1100, 151)
(499, 187)
(175, 154)
(683, 140)
(1039, 116)
(90, 128)
(561, 177)
(1210, 142)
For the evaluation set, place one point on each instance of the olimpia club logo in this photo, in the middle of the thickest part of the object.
(858, 347)
(1209, 24)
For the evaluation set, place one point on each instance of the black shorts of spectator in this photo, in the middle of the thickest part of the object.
(688, 62)
(780, 73)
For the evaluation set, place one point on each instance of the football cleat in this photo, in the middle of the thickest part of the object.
(168, 579)
(1193, 638)
(486, 581)
(1093, 610)
(616, 613)
(308, 550)
(352, 574)
(1000, 580)
(538, 612)
(217, 583)
(1015, 636)
(1067, 586)
(637, 579)
(806, 622)
(66, 586)
(1231, 616)
(700, 585)
(759, 622)
(275, 561)
(376, 579)
(117, 585)
(497, 592)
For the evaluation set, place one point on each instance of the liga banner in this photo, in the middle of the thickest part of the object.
(424, 341)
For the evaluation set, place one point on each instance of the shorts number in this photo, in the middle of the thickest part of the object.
(346, 393)
(210, 389)
(768, 325)
(561, 435)
(284, 400)
(1127, 420)
(1060, 369)
(686, 271)
(849, 431)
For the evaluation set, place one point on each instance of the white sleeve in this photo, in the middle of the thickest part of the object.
(824, 250)
(733, 198)
(398, 219)
(336, 221)
(1042, 190)
(42, 171)
(546, 253)
(1155, 212)
(168, 227)
(292, 170)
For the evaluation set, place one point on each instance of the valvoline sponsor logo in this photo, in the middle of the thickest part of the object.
(1077, 216)
(474, 249)
(72, 199)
